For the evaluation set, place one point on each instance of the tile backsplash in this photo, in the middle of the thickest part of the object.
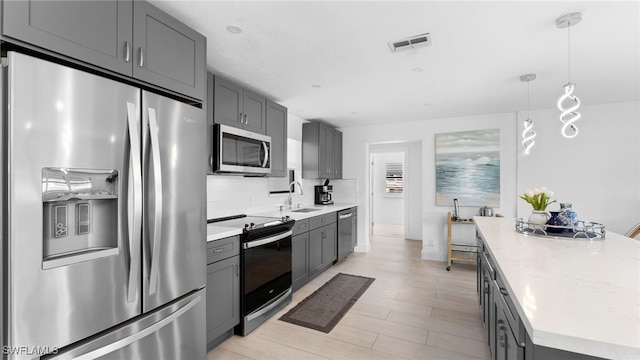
(231, 195)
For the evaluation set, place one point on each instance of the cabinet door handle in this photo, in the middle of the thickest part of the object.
(501, 334)
(241, 119)
(218, 250)
(141, 57)
(127, 51)
(245, 119)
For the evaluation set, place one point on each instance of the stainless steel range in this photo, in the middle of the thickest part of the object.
(266, 267)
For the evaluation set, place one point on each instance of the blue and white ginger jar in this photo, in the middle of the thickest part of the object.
(567, 216)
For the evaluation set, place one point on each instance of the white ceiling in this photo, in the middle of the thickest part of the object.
(480, 49)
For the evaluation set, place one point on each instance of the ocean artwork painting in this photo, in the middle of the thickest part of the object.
(468, 168)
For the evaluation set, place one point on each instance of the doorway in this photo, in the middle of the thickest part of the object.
(387, 194)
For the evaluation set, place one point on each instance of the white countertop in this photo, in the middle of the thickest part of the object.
(215, 232)
(576, 295)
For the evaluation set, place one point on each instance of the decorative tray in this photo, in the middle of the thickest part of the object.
(584, 230)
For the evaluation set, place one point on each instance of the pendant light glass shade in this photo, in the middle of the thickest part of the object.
(568, 103)
(528, 134)
(568, 114)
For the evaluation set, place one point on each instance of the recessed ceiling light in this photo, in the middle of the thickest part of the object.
(316, 86)
(417, 69)
(234, 29)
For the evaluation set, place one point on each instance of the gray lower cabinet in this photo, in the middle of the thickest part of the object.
(299, 260)
(236, 106)
(276, 123)
(314, 246)
(300, 254)
(223, 289)
(321, 151)
(322, 243)
(131, 38)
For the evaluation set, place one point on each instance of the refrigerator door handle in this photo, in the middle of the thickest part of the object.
(137, 336)
(135, 195)
(157, 188)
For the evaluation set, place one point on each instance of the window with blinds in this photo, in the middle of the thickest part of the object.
(393, 179)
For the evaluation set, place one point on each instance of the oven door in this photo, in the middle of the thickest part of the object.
(267, 270)
(242, 151)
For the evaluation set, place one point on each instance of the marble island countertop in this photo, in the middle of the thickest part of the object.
(216, 232)
(576, 295)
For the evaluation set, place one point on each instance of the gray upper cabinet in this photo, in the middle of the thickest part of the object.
(130, 38)
(227, 102)
(321, 151)
(277, 129)
(97, 32)
(238, 107)
(254, 113)
(337, 154)
(167, 52)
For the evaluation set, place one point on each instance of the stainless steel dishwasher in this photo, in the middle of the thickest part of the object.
(347, 231)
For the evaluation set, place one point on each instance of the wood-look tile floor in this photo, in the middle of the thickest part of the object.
(415, 309)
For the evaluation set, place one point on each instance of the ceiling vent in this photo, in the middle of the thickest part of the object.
(411, 42)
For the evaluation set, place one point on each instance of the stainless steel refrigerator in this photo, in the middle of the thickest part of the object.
(103, 204)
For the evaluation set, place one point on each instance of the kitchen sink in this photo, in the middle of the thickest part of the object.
(306, 210)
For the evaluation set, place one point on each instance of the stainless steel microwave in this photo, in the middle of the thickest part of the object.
(241, 151)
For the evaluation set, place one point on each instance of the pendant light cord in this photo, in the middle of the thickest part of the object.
(528, 100)
(569, 51)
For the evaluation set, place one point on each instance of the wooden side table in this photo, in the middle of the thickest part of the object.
(453, 249)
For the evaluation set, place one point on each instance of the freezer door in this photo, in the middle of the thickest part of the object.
(174, 225)
(70, 219)
(176, 331)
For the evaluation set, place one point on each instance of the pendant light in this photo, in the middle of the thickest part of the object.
(569, 114)
(528, 134)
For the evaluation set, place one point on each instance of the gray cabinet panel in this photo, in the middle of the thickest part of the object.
(276, 123)
(227, 102)
(328, 151)
(300, 264)
(167, 52)
(301, 226)
(96, 32)
(223, 297)
(329, 245)
(337, 154)
(315, 251)
(321, 151)
(254, 109)
(236, 106)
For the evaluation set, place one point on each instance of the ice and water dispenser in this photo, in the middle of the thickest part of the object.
(80, 215)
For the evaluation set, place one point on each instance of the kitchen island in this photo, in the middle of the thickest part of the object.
(575, 298)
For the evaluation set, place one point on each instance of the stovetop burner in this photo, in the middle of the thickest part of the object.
(249, 223)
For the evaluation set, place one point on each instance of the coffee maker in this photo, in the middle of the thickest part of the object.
(323, 194)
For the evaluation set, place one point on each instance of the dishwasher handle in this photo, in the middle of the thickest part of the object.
(345, 216)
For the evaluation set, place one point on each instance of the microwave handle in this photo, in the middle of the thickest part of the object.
(266, 154)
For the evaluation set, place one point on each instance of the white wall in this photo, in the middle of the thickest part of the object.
(358, 140)
(598, 171)
(387, 208)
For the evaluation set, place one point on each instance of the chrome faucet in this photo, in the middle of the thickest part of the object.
(289, 200)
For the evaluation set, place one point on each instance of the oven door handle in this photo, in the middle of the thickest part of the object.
(271, 239)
